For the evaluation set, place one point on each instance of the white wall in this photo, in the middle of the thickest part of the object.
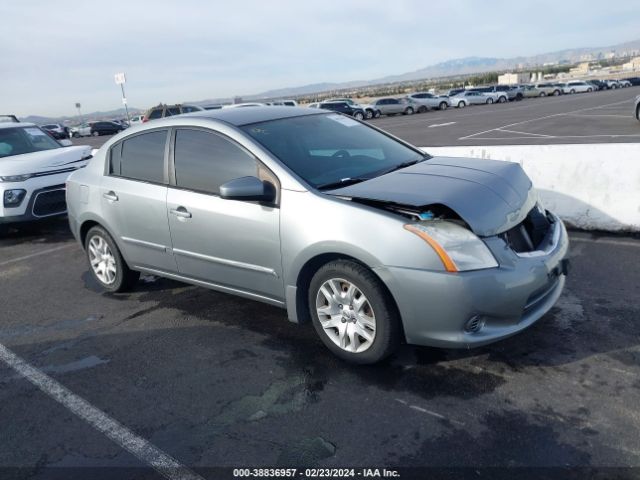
(593, 187)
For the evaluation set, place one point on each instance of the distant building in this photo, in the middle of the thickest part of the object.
(582, 69)
(632, 65)
(513, 78)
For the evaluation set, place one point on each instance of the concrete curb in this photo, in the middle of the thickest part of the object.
(591, 187)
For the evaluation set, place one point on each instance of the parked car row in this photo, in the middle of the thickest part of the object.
(94, 129)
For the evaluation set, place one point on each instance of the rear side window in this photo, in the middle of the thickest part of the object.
(157, 113)
(172, 111)
(206, 160)
(140, 157)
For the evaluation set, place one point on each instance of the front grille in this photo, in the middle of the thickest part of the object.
(529, 234)
(50, 202)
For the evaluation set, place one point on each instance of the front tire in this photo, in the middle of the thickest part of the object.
(502, 100)
(542, 94)
(377, 114)
(443, 106)
(95, 134)
(106, 263)
(556, 93)
(368, 114)
(461, 104)
(358, 116)
(353, 313)
(489, 101)
(409, 111)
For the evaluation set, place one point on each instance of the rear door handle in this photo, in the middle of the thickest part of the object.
(111, 196)
(180, 212)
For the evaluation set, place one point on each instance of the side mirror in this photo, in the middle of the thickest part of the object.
(248, 189)
(65, 143)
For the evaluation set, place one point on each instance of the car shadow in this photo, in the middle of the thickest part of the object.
(47, 231)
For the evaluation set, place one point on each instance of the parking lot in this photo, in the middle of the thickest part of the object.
(598, 117)
(215, 380)
(206, 380)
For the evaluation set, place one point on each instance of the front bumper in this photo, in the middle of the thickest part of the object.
(39, 203)
(436, 307)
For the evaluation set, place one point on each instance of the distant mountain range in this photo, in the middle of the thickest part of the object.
(450, 68)
(111, 114)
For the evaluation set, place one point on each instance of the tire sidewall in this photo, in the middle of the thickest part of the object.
(375, 295)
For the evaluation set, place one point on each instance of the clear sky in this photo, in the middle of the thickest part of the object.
(56, 53)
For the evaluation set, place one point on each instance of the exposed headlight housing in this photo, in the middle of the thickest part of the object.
(16, 178)
(458, 248)
(14, 197)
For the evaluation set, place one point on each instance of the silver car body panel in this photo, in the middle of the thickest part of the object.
(261, 252)
(500, 190)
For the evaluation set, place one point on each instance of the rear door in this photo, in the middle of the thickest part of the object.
(230, 243)
(134, 199)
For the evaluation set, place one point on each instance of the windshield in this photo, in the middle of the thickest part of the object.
(332, 148)
(16, 141)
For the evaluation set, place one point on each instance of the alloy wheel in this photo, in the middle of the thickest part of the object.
(346, 315)
(102, 260)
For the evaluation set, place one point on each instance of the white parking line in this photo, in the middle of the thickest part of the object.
(475, 135)
(441, 124)
(121, 435)
(37, 254)
(524, 133)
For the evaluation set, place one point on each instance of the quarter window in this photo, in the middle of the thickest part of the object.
(140, 157)
(206, 160)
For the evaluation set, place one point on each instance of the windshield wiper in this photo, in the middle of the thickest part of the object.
(402, 165)
(343, 182)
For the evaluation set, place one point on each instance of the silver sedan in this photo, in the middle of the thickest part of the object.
(466, 98)
(367, 237)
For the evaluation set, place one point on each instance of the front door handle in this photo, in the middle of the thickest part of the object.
(180, 212)
(111, 196)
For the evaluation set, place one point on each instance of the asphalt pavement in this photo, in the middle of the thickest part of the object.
(214, 380)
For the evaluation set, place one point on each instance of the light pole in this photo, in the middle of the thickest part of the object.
(121, 80)
(79, 112)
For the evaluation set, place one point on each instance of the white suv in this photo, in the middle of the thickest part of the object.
(33, 170)
(577, 87)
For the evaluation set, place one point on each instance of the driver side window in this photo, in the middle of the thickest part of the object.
(205, 160)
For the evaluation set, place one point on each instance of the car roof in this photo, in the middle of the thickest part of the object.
(248, 115)
(15, 125)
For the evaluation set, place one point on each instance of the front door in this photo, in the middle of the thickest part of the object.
(234, 244)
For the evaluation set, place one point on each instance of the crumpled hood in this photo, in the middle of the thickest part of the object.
(45, 161)
(491, 196)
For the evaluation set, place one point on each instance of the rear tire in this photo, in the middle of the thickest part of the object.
(368, 114)
(542, 94)
(443, 106)
(489, 101)
(422, 109)
(572, 91)
(358, 116)
(360, 322)
(95, 134)
(377, 114)
(556, 93)
(502, 100)
(461, 104)
(106, 264)
(409, 111)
